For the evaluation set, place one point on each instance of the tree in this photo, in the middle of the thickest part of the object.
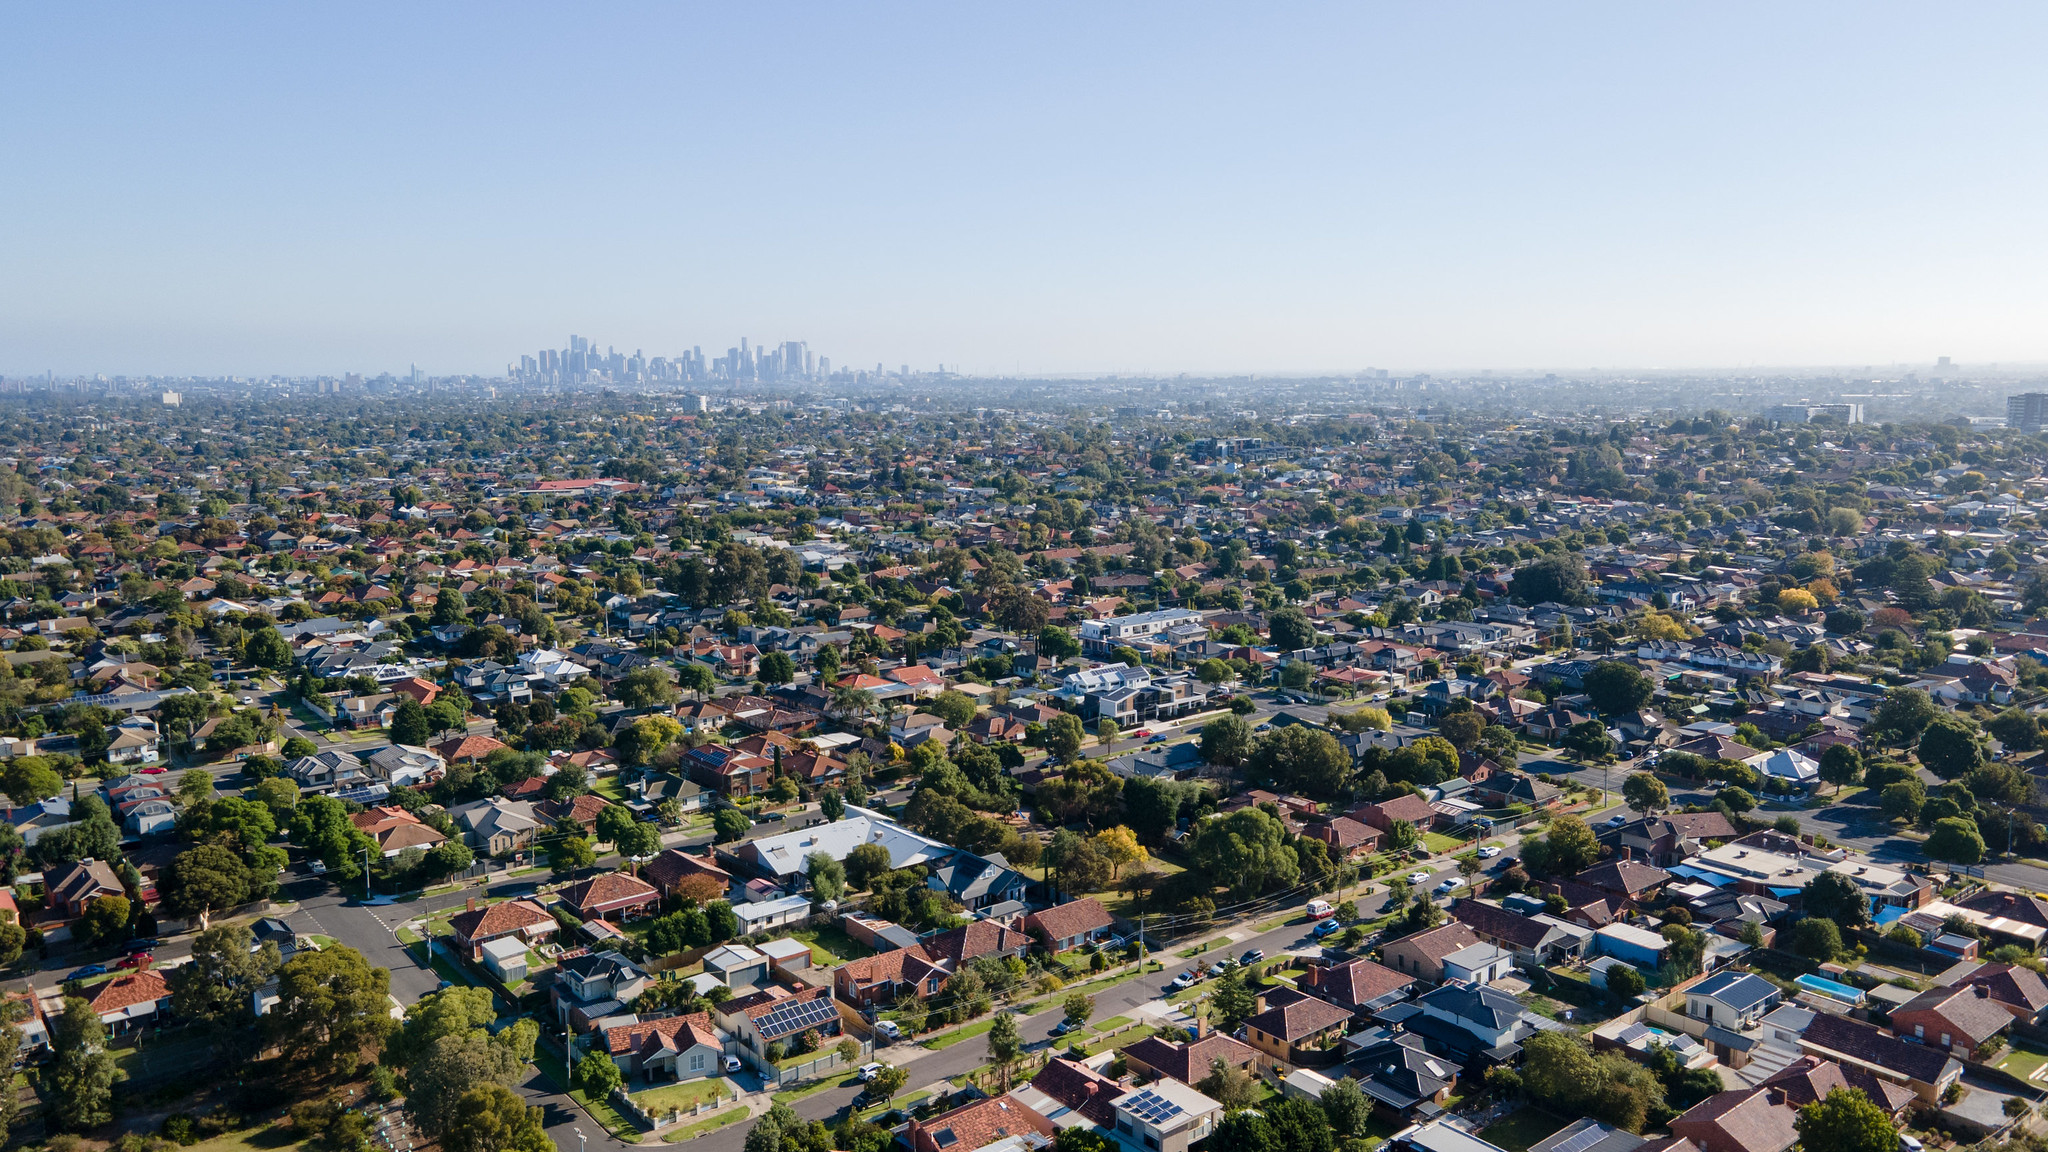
(1902, 716)
(81, 1078)
(650, 687)
(777, 668)
(1644, 792)
(205, 880)
(1835, 897)
(866, 863)
(1737, 799)
(597, 1074)
(1817, 938)
(493, 1118)
(1064, 736)
(1231, 1004)
(280, 795)
(889, 1081)
(294, 748)
(105, 920)
(409, 724)
(1401, 835)
(1845, 1120)
(1347, 1108)
(1077, 1007)
(2015, 730)
(1950, 747)
(1902, 800)
(449, 608)
(266, 649)
(27, 779)
(1559, 577)
(831, 806)
(954, 707)
(1462, 729)
(1299, 758)
(828, 876)
(331, 1006)
(1230, 1086)
(1616, 688)
(1057, 643)
(1290, 630)
(1247, 849)
(1226, 741)
(569, 854)
(1589, 740)
(1004, 1044)
(1841, 764)
(729, 824)
(1624, 983)
(1955, 840)
(698, 679)
(1120, 846)
(1567, 849)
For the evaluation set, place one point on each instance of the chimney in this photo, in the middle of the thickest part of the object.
(1627, 853)
(470, 905)
(1983, 991)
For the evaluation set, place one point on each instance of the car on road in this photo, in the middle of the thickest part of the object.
(1615, 822)
(1320, 910)
(316, 867)
(144, 945)
(1156, 738)
(1142, 734)
(87, 973)
(1219, 968)
(1489, 852)
(1327, 928)
(888, 1028)
(1064, 1027)
(137, 960)
(869, 1072)
(1184, 980)
(154, 771)
(1451, 884)
(1419, 876)
(1251, 956)
(1263, 728)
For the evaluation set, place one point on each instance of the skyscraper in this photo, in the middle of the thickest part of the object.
(2027, 411)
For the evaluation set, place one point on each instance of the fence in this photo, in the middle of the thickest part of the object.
(650, 1120)
(821, 1063)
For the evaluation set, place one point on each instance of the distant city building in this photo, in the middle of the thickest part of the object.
(2027, 411)
(1805, 413)
(172, 399)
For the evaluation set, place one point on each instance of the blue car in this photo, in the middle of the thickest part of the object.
(87, 972)
(1157, 738)
(1326, 928)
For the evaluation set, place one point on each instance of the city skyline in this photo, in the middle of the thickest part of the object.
(1067, 192)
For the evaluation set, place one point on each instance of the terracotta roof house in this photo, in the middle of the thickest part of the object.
(1346, 837)
(582, 809)
(1302, 1031)
(475, 927)
(1070, 925)
(973, 941)
(1359, 984)
(394, 829)
(72, 886)
(468, 748)
(1958, 1019)
(977, 1125)
(1924, 1068)
(1750, 1120)
(1422, 955)
(1079, 1088)
(612, 895)
(881, 978)
(1809, 1079)
(1412, 808)
(2020, 991)
(674, 865)
(131, 1000)
(1191, 1062)
(673, 1048)
(1631, 879)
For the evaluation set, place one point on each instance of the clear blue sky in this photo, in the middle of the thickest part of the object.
(1091, 187)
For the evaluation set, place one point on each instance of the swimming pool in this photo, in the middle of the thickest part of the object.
(1831, 989)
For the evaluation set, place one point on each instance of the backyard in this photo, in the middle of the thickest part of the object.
(1516, 1131)
(2023, 1060)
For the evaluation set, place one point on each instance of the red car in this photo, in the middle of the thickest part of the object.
(153, 771)
(139, 960)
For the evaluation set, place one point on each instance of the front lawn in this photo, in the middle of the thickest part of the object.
(2023, 1061)
(1516, 1131)
(964, 1032)
(685, 1096)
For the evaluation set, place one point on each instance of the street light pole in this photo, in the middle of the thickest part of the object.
(579, 1140)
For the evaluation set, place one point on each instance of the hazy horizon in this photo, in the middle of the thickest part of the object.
(1060, 192)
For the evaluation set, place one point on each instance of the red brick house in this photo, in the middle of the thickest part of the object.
(977, 1125)
(1412, 808)
(1958, 1019)
(1070, 925)
(476, 927)
(1348, 839)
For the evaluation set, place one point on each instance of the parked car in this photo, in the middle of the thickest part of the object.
(1218, 968)
(1489, 852)
(1615, 822)
(1251, 956)
(868, 1072)
(1327, 928)
(1063, 1027)
(134, 946)
(1263, 728)
(1451, 884)
(888, 1028)
(1184, 980)
(135, 960)
(1419, 876)
(1320, 910)
(1142, 734)
(1156, 738)
(87, 973)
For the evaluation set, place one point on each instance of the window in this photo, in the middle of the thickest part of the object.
(696, 1061)
(1944, 1039)
(1919, 1033)
(1152, 1142)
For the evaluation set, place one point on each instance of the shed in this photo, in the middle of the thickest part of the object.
(786, 953)
(506, 958)
(1635, 945)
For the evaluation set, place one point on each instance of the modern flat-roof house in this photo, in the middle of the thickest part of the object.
(1165, 1116)
(1732, 1000)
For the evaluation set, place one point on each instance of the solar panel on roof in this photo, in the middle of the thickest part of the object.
(1580, 1141)
(796, 1018)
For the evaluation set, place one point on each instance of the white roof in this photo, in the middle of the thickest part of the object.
(784, 949)
(769, 910)
(1629, 934)
(505, 948)
(789, 853)
(730, 956)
